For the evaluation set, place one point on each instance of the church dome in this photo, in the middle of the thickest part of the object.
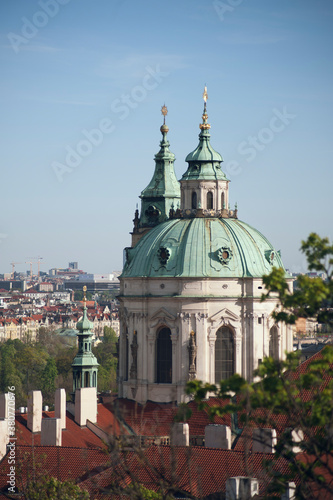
(202, 248)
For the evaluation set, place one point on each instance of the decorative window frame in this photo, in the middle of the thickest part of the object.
(224, 255)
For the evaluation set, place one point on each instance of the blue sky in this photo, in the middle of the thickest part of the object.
(70, 67)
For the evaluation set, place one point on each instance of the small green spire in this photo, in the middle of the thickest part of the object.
(85, 365)
(204, 162)
(164, 189)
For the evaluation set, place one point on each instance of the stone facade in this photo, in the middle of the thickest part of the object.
(202, 306)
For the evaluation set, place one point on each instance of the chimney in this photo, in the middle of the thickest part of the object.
(3, 438)
(218, 436)
(289, 494)
(180, 434)
(297, 436)
(264, 440)
(241, 488)
(4, 421)
(35, 404)
(51, 432)
(60, 406)
(85, 405)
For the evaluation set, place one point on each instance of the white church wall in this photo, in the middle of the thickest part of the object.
(234, 306)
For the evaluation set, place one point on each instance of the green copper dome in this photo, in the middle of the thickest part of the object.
(204, 150)
(202, 247)
(84, 325)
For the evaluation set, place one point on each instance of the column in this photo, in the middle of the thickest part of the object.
(211, 357)
(151, 340)
(174, 339)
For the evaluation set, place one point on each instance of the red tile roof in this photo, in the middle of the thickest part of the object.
(73, 435)
(155, 419)
(62, 463)
(197, 471)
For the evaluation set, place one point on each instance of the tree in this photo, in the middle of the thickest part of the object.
(49, 488)
(106, 354)
(9, 373)
(48, 377)
(78, 295)
(313, 297)
(295, 400)
(294, 403)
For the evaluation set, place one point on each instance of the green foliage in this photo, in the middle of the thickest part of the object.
(9, 376)
(139, 492)
(48, 377)
(46, 364)
(78, 295)
(106, 354)
(280, 396)
(42, 365)
(303, 401)
(313, 297)
(49, 488)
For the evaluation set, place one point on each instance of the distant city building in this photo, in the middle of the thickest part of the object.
(73, 265)
(46, 287)
(94, 282)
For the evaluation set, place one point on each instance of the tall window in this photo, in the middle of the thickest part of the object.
(164, 357)
(274, 342)
(224, 354)
(222, 200)
(209, 200)
(194, 199)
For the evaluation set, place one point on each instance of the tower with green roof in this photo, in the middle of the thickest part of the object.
(85, 365)
(162, 193)
(191, 287)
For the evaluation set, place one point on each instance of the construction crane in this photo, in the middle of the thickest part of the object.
(29, 262)
(13, 264)
(35, 259)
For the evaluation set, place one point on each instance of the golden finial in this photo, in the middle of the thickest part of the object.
(164, 111)
(84, 295)
(204, 125)
(192, 333)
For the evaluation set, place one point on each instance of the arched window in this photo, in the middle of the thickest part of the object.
(164, 357)
(194, 199)
(94, 379)
(274, 343)
(86, 379)
(224, 354)
(222, 200)
(209, 200)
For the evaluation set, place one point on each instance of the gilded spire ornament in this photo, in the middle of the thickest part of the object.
(204, 125)
(164, 111)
